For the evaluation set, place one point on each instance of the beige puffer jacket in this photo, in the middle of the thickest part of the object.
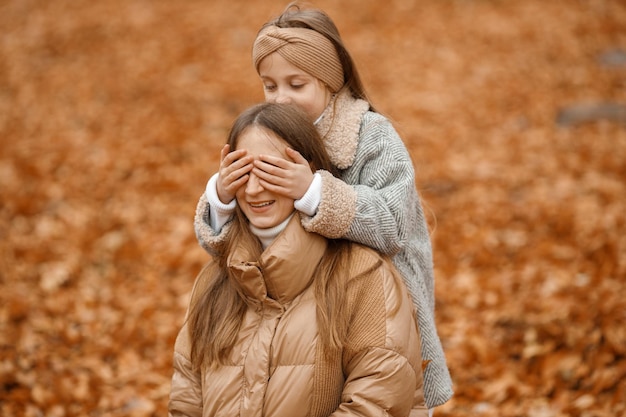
(276, 368)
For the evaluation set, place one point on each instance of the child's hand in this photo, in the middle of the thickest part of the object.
(234, 169)
(290, 178)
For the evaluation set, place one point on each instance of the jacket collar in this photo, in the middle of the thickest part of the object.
(340, 125)
(285, 269)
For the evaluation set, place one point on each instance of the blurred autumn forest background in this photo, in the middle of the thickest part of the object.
(112, 114)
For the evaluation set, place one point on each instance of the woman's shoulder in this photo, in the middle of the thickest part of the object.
(206, 275)
(364, 260)
(373, 279)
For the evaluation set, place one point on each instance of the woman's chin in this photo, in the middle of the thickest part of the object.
(267, 222)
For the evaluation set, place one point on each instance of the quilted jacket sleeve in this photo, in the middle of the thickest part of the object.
(186, 389)
(382, 358)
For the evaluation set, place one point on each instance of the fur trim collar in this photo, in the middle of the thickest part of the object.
(340, 125)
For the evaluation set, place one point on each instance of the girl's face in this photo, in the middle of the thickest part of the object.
(263, 208)
(286, 83)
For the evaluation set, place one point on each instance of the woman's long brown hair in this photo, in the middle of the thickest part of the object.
(217, 307)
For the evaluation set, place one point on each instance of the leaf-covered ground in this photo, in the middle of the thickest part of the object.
(112, 114)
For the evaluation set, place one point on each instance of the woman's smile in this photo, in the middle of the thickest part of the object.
(259, 206)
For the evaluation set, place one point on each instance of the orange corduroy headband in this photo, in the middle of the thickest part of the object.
(304, 48)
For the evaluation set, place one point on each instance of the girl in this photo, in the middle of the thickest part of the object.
(302, 60)
(285, 322)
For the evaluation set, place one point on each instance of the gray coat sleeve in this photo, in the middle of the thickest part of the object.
(375, 202)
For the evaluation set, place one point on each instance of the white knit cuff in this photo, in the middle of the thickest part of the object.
(311, 199)
(219, 213)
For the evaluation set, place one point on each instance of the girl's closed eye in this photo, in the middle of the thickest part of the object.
(269, 87)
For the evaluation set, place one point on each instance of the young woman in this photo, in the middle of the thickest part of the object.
(285, 322)
(372, 200)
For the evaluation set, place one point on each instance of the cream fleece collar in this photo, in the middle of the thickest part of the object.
(340, 125)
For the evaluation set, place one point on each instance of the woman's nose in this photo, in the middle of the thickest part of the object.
(253, 186)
